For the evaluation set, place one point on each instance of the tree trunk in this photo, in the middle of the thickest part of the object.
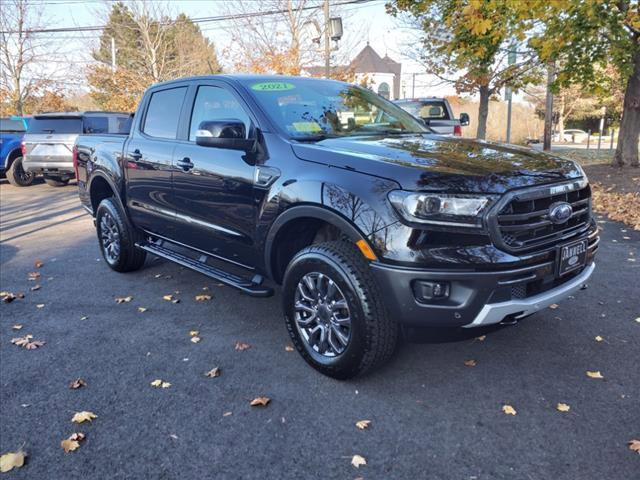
(548, 108)
(627, 149)
(561, 117)
(483, 112)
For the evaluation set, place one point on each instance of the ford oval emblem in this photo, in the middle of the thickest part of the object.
(560, 212)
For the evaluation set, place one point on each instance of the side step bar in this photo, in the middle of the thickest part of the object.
(251, 287)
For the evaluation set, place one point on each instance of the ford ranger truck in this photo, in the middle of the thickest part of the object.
(367, 220)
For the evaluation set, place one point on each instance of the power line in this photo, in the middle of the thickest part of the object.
(218, 18)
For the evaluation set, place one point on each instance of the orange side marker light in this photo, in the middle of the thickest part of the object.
(366, 250)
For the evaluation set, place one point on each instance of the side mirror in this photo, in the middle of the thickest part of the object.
(229, 133)
(464, 119)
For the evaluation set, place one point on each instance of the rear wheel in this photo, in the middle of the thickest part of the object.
(118, 238)
(17, 176)
(334, 311)
(56, 181)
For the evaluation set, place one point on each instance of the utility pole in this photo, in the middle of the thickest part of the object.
(413, 85)
(603, 114)
(327, 40)
(508, 92)
(113, 54)
(548, 107)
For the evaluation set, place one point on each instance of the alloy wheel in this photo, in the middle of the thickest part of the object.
(109, 237)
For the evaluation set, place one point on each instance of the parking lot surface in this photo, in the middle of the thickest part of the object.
(431, 415)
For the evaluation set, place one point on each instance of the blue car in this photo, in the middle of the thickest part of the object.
(12, 129)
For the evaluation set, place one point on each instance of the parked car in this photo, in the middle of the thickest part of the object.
(48, 143)
(571, 136)
(368, 222)
(436, 113)
(11, 132)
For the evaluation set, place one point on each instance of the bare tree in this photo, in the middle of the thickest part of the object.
(22, 51)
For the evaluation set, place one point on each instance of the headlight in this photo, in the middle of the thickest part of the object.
(441, 209)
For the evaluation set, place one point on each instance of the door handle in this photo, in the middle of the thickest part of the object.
(186, 164)
(136, 154)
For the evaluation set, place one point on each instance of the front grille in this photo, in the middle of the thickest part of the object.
(523, 224)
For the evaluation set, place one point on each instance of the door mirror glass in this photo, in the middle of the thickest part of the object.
(230, 134)
(464, 119)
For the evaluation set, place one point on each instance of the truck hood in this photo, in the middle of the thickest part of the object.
(434, 163)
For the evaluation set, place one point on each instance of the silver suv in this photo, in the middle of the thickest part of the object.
(48, 143)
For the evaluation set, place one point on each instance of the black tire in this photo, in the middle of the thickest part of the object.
(113, 226)
(17, 176)
(373, 335)
(56, 181)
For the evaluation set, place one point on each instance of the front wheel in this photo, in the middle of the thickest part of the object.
(56, 181)
(334, 311)
(18, 176)
(118, 238)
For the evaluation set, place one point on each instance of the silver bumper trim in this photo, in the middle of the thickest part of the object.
(496, 312)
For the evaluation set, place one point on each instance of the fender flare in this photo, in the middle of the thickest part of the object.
(11, 156)
(114, 188)
(307, 211)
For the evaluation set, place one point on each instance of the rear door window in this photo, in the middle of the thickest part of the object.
(163, 113)
(55, 125)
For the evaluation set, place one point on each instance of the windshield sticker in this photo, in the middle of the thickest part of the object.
(272, 86)
(307, 127)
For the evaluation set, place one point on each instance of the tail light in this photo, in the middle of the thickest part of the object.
(23, 148)
(75, 161)
(457, 130)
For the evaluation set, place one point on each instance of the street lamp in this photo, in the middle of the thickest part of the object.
(332, 31)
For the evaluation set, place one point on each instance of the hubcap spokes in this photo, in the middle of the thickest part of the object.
(322, 314)
(110, 237)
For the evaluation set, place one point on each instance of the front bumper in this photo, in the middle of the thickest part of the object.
(478, 298)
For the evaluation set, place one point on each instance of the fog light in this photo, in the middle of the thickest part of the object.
(426, 291)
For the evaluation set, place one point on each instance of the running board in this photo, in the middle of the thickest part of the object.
(251, 287)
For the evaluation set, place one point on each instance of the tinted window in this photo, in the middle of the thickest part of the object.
(427, 110)
(215, 103)
(163, 113)
(55, 125)
(8, 125)
(96, 125)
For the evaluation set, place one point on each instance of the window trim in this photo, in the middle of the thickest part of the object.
(143, 120)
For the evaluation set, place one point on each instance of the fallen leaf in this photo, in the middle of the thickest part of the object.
(194, 333)
(83, 416)
(77, 383)
(17, 327)
(260, 402)
(84, 318)
(72, 443)
(481, 338)
(362, 424)
(157, 275)
(11, 460)
(594, 375)
(39, 264)
(33, 345)
(508, 410)
(563, 407)
(195, 339)
(288, 348)
(168, 298)
(35, 287)
(142, 309)
(213, 373)
(156, 383)
(165, 385)
(203, 298)
(40, 305)
(470, 363)
(26, 342)
(33, 276)
(175, 300)
(638, 319)
(242, 346)
(634, 445)
(553, 306)
(123, 299)
(227, 414)
(7, 297)
(174, 436)
(599, 338)
(358, 460)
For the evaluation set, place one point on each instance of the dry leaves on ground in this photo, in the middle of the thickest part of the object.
(169, 298)
(123, 299)
(599, 338)
(288, 348)
(481, 338)
(73, 442)
(142, 309)
(77, 383)
(634, 445)
(554, 306)
(242, 346)
(509, 410)
(26, 342)
(11, 460)
(33, 276)
(8, 297)
(203, 298)
(470, 363)
(17, 326)
(358, 460)
(38, 263)
(260, 402)
(34, 288)
(362, 424)
(622, 207)
(563, 407)
(160, 384)
(594, 375)
(84, 416)
(214, 372)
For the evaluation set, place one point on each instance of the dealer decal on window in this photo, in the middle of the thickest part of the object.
(272, 86)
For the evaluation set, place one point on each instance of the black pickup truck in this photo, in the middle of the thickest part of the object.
(367, 220)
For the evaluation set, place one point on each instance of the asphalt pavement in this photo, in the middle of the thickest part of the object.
(432, 417)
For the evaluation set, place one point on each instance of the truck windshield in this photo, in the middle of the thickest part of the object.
(55, 125)
(11, 125)
(432, 110)
(312, 108)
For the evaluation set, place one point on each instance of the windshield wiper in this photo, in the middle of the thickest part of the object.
(549, 174)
